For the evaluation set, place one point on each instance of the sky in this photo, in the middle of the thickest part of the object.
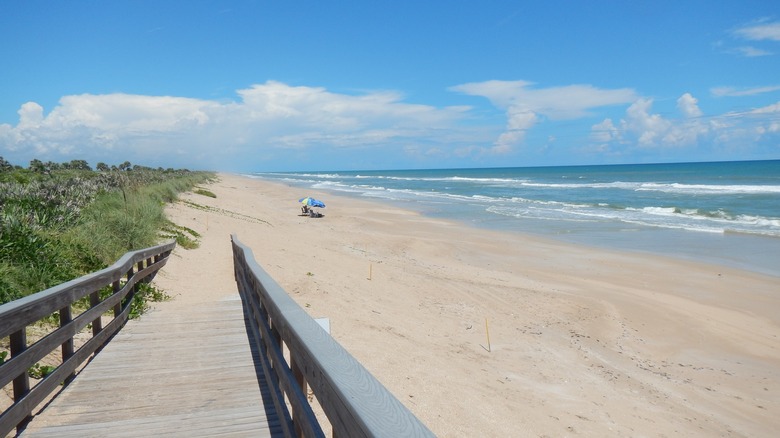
(257, 86)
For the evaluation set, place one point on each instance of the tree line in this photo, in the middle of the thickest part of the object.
(49, 166)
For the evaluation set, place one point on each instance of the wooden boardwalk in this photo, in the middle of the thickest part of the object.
(188, 372)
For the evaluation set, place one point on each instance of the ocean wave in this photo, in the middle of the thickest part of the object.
(693, 207)
(694, 189)
(639, 186)
(718, 216)
(772, 223)
(578, 186)
(659, 217)
(687, 189)
(457, 179)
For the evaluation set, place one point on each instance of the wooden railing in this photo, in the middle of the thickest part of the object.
(355, 403)
(15, 317)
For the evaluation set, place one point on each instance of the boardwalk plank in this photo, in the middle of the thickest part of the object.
(188, 372)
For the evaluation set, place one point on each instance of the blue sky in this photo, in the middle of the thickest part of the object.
(319, 85)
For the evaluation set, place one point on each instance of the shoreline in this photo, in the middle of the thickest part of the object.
(755, 253)
(581, 340)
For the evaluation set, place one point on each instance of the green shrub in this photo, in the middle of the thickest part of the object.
(146, 294)
(185, 237)
(56, 225)
(9, 287)
(205, 192)
(39, 371)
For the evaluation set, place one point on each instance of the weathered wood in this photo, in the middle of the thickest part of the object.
(116, 288)
(29, 355)
(354, 401)
(277, 396)
(297, 375)
(21, 386)
(66, 316)
(32, 308)
(17, 315)
(97, 323)
(190, 372)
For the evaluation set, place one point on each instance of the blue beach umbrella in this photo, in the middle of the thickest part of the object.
(311, 202)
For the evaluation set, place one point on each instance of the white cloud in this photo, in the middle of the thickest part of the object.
(689, 105)
(124, 113)
(30, 115)
(643, 129)
(557, 103)
(519, 121)
(735, 92)
(769, 109)
(751, 52)
(604, 132)
(279, 123)
(267, 116)
(525, 107)
(760, 31)
(648, 127)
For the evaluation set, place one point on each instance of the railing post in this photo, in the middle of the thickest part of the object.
(67, 347)
(277, 335)
(149, 262)
(297, 373)
(116, 287)
(97, 323)
(129, 297)
(18, 341)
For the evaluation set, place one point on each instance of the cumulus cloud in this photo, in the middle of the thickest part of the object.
(30, 115)
(648, 127)
(519, 120)
(689, 105)
(605, 132)
(266, 116)
(275, 122)
(643, 129)
(526, 106)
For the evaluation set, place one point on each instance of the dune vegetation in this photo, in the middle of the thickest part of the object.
(59, 221)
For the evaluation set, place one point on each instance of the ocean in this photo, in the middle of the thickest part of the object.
(725, 213)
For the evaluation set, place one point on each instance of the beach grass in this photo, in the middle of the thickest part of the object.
(56, 225)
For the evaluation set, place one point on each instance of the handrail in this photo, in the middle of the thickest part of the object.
(16, 316)
(354, 401)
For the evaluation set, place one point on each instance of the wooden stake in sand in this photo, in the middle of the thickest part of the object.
(487, 333)
(369, 270)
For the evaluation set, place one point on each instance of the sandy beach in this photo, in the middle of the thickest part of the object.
(483, 333)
